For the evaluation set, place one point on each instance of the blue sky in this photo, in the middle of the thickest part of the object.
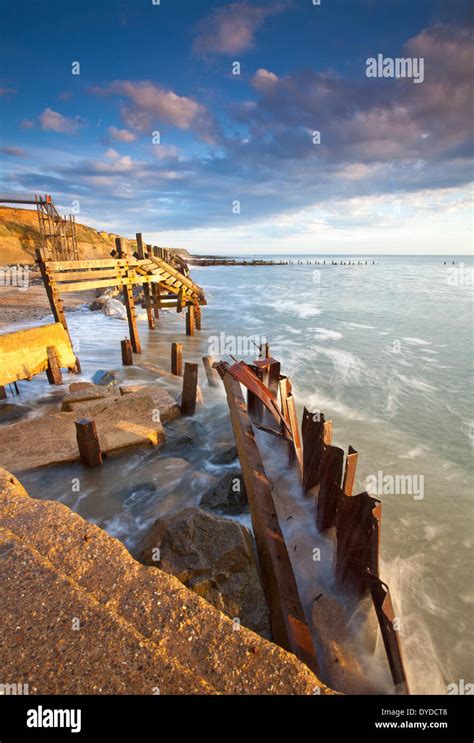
(237, 168)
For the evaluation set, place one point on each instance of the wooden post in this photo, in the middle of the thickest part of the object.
(213, 379)
(146, 287)
(190, 380)
(155, 289)
(127, 354)
(129, 302)
(3, 393)
(190, 320)
(54, 298)
(53, 371)
(177, 359)
(197, 312)
(88, 442)
(55, 301)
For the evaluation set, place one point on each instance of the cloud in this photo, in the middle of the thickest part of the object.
(264, 80)
(7, 91)
(27, 124)
(151, 105)
(53, 121)
(121, 135)
(13, 151)
(231, 29)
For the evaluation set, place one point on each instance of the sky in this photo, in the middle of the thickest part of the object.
(244, 127)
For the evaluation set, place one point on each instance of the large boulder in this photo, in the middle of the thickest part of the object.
(214, 557)
(228, 496)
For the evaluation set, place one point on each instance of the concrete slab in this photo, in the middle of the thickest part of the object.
(121, 422)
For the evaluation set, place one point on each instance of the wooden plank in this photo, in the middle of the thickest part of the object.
(190, 380)
(289, 626)
(68, 276)
(65, 266)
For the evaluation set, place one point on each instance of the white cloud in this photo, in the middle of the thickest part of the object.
(121, 135)
(53, 121)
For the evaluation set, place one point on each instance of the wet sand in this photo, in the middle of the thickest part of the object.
(20, 306)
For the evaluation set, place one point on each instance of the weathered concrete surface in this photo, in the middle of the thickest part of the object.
(166, 403)
(24, 352)
(80, 400)
(126, 421)
(214, 557)
(85, 393)
(139, 628)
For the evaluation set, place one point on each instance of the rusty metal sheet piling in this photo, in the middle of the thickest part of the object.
(315, 432)
(289, 626)
(350, 471)
(386, 616)
(329, 486)
(358, 540)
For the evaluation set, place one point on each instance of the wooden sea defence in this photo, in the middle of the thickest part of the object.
(165, 284)
(327, 474)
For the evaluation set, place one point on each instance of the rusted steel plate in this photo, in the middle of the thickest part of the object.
(242, 372)
(316, 432)
(296, 450)
(358, 540)
(289, 626)
(350, 471)
(384, 609)
(329, 486)
(271, 374)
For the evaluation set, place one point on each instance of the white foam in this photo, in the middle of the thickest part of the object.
(323, 334)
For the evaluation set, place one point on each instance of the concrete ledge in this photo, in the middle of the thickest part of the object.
(139, 628)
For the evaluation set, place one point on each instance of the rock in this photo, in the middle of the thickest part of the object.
(228, 496)
(226, 457)
(105, 378)
(214, 557)
(114, 308)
